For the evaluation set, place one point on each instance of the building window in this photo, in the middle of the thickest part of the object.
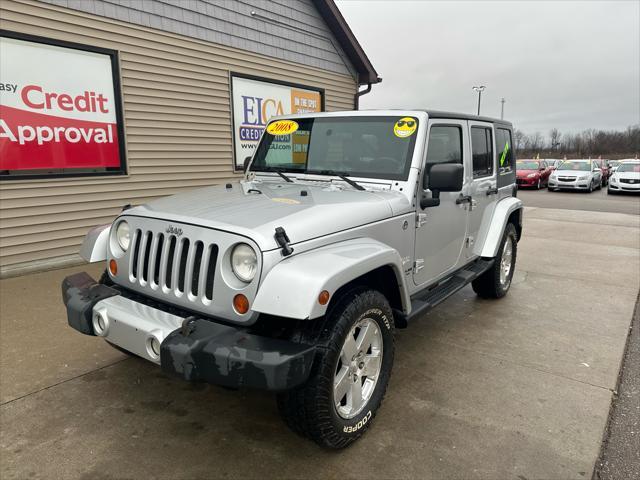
(61, 109)
(482, 151)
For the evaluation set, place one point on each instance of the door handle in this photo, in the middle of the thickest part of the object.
(492, 191)
(463, 199)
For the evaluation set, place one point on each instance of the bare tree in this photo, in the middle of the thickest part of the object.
(554, 136)
(588, 143)
(518, 137)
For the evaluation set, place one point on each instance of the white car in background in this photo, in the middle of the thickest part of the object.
(626, 178)
(576, 175)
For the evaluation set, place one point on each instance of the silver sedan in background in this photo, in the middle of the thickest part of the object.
(576, 175)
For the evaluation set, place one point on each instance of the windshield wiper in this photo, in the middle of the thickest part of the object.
(342, 176)
(273, 169)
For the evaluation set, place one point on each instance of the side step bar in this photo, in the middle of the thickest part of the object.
(424, 301)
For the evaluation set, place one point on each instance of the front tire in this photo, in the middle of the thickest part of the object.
(350, 374)
(495, 282)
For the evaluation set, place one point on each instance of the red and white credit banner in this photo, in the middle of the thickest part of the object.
(57, 108)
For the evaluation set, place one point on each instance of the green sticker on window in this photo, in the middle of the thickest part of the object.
(503, 157)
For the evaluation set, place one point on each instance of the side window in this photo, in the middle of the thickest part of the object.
(505, 151)
(482, 150)
(445, 146)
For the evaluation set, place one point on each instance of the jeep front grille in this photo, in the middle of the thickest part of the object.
(174, 264)
(183, 265)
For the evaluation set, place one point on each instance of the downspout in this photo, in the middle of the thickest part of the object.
(359, 93)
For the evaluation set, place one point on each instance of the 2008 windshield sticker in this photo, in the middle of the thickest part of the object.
(282, 127)
(405, 127)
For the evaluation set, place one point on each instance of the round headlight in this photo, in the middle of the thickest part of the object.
(244, 262)
(123, 235)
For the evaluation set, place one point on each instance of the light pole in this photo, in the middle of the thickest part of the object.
(479, 89)
(502, 109)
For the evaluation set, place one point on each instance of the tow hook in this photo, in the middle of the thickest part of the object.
(187, 326)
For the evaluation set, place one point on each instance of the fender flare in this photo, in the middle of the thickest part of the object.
(291, 288)
(495, 228)
(95, 244)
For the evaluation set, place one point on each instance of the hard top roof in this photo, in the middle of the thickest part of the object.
(464, 116)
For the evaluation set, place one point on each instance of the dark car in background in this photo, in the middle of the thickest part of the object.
(532, 173)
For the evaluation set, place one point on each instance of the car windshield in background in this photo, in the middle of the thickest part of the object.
(374, 147)
(578, 166)
(527, 165)
(629, 167)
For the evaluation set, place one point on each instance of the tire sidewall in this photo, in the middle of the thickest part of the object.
(379, 312)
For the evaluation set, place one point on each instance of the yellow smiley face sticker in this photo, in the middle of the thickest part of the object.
(405, 127)
(282, 127)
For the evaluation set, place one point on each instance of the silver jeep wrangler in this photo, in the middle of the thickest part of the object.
(345, 226)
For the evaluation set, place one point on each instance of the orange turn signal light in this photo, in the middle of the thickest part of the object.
(113, 267)
(323, 298)
(241, 304)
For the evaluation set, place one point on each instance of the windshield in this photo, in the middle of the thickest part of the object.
(375, 147)
(527, 165)
(629, 167)
(579, 166)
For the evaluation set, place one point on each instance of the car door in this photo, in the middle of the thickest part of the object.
(484, 186)
(441, 230)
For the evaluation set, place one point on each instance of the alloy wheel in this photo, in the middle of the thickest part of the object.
(506, 261)
(358, 368)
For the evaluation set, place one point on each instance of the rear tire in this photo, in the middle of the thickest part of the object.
(495, 282)
(341, 364)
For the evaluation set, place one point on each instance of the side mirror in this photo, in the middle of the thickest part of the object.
(446, 177)
(443, 177)
(246, 163)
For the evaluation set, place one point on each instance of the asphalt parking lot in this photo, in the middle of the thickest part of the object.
(518, 388)
(597, 201)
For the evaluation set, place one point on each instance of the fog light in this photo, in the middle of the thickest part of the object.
(100, 323)
(155, 346)
(113, 267)
(241, 304)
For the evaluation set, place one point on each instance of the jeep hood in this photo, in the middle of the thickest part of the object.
(325, 209)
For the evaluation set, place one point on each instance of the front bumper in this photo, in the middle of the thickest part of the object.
(624, 187)
(196, 349)
(524, 182)
(571, 185)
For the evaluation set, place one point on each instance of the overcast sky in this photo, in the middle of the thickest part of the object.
(565, 64)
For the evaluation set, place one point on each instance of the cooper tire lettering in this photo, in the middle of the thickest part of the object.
(354, 428)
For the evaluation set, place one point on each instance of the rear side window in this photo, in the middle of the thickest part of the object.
(482, 150)
(505, 151)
